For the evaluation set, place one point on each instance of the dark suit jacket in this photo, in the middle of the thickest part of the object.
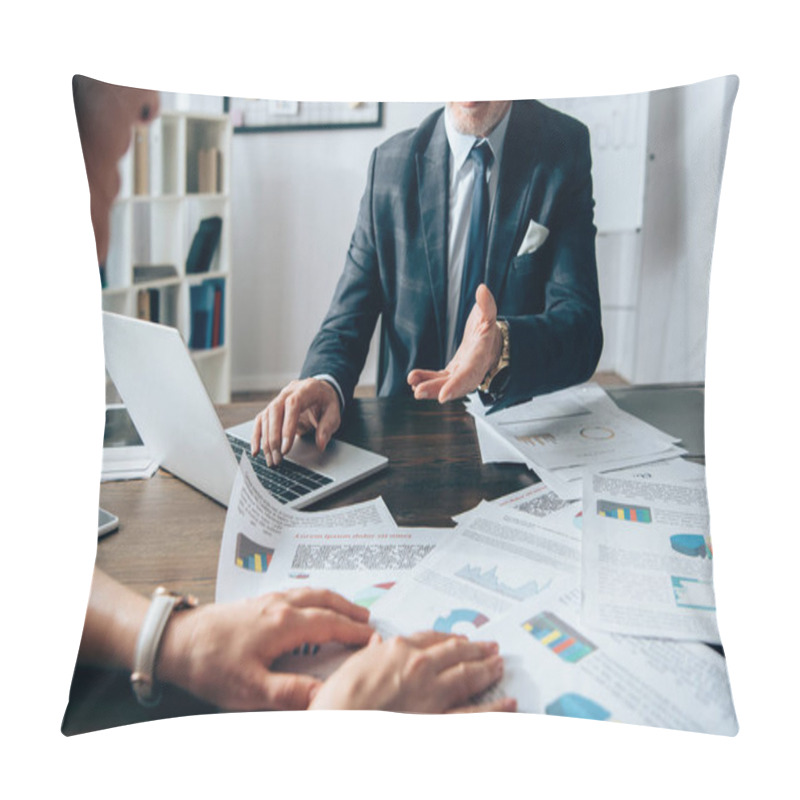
(396, 267)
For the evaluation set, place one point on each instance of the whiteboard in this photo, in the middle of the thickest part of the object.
(618, 129)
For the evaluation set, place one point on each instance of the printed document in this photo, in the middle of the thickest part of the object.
(495, 559)
(555, 665)
(357, 551)
(563, 435)
(258, 530)
(647, 558)
(542, 503)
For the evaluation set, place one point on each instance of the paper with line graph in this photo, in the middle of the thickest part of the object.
(647, 558)
(495, 559)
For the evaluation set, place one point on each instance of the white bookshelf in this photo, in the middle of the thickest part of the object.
(154, 220)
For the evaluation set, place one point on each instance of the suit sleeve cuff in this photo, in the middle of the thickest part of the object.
(333, 382)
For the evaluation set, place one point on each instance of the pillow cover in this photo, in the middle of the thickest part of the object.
(632, 651)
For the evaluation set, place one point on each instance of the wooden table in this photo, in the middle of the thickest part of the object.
(170, 534)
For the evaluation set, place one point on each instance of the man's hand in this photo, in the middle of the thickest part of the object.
(428, 672)
(478, 352)
(223, 652)
(301, 406)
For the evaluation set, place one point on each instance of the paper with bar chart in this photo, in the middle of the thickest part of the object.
(647, 558)
(357, 551)
(556, 665)
(495, 559)
(259, 533)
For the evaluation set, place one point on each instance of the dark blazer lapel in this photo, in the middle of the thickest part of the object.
(432, 174)
(509, 220)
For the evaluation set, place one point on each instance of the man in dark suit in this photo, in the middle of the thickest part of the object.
(506, 302)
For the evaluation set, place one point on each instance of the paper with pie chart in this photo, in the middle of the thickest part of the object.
(588, 437)
(648, 558)
(565, 434)
(494, 560)
(556, 665)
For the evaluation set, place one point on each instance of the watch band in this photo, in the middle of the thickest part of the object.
(162, 604)
(502, 363)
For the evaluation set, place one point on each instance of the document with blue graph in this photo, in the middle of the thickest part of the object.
(647, 558)
(556, 665)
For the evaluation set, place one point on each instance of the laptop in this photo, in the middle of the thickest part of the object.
(168, 403)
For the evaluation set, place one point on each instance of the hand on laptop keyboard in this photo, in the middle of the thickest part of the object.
(286, 481)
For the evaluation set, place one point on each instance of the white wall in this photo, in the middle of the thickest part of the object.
(294, 205)
(688, 137)
(618, 128)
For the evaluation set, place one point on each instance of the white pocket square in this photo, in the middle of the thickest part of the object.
(534, 238)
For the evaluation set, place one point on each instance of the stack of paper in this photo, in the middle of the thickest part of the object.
(524, 571)
(357, 551)
(564, 435)
(579, 594)
(127, 463)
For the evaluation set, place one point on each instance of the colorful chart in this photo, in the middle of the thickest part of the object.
(624, 512)
(252, 556)
(691, 544)
(366, 597)
(457, 616)
(577, 706)
(577, 520)
(564, 641)
(693, 593)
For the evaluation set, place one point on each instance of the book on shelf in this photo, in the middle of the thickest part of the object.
(141, 160)
(209, 170)
(204, 245)
(143, 273)
(148, 305)
(216, 319)
(207, 313)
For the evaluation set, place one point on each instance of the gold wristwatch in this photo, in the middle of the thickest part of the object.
(496, 380)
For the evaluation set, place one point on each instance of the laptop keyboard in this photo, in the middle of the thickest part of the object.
(287, 481)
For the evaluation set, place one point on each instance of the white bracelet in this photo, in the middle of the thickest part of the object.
(162, 604)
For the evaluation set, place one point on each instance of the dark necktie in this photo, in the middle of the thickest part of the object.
(475, 256)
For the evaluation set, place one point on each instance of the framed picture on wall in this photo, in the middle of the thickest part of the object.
(260, 116)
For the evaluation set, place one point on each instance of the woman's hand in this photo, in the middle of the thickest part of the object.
(428, 672)
(223, 652)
